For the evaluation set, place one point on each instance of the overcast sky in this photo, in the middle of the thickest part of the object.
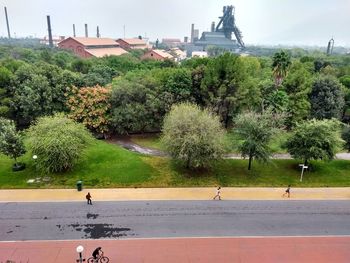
(301, 22)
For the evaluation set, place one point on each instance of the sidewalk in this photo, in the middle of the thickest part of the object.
(134, 194)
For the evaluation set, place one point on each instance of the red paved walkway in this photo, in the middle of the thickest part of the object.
(296, 249)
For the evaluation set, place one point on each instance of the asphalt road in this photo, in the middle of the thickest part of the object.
(143, 219)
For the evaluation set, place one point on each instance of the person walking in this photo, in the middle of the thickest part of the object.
(287, 192)
(218, 193)
(88, 198)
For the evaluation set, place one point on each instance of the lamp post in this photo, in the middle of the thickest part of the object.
(34, 158)
(302, 171)
(80, 249)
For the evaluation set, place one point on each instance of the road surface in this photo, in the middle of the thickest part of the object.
(144, 219)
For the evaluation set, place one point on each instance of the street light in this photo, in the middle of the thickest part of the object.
(302, 171)
(80, 249)
(35, 157)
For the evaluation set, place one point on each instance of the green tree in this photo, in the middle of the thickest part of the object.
(315, 140)
(193, 136)
(280, 65)
(6, 78)
(220, 84)
(11, 142)
(298, 87)
(327, 98)
(346, 136)
(135, 103)
(255, 131)
(58, 142)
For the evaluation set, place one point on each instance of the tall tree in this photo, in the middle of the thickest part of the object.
(255, 132)
(280, 65)
(327, 98)
(298, 87)
(220, 84)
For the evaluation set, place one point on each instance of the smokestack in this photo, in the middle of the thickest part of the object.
(98, 32)
(50, 31)
(185, 39)
(213, 27)
(7, 22)
(86, 30)
(74, 35)
(192, 33)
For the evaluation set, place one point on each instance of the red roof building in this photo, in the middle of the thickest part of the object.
(157, 54)
(86, 47)
(133, 43)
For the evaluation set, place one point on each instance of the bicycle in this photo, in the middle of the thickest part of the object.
(101, 259)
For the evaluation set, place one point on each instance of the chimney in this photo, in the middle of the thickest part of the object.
(86, 30)
(74, 35)
(98, 32)
(50, 31)
(192, 33)
(213, 27)
(185, 39)
(7, 22)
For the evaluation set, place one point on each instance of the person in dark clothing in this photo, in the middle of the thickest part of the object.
(88, 198)
(97, 253)
(287, 192)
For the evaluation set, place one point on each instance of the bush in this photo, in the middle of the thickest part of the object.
(58, 142)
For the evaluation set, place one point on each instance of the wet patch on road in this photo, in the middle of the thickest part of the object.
(97, 231)
(93, 216)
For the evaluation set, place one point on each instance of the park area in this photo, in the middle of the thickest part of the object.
(106, 165)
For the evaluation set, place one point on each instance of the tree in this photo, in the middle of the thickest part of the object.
(193, 136)
(135, 103)
(346, 136)
(58, 142)
(90, 106)
(220, 84)
(298, 87)
(39, 90)
(314, 140)
(6, 78)
(11, 142)
(255, 132)
(327, 98)
(281, 63)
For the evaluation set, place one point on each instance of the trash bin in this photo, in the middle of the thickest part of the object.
(79, 185)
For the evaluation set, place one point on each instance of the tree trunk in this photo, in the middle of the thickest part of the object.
(250, 162)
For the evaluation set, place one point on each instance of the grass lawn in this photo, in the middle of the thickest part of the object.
(147, 140)
(106, 165)
(153, 141)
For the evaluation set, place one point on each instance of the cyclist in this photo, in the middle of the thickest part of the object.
(97, 253)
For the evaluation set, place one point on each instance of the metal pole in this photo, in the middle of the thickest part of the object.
(74, 35)
(302, 172)
(86, 30)
(49, 30)
(7, 22)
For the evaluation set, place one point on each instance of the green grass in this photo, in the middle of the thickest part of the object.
(147, 140)
(105, 165)
(153, 141)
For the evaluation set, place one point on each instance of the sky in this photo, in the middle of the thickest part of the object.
(269, 22)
